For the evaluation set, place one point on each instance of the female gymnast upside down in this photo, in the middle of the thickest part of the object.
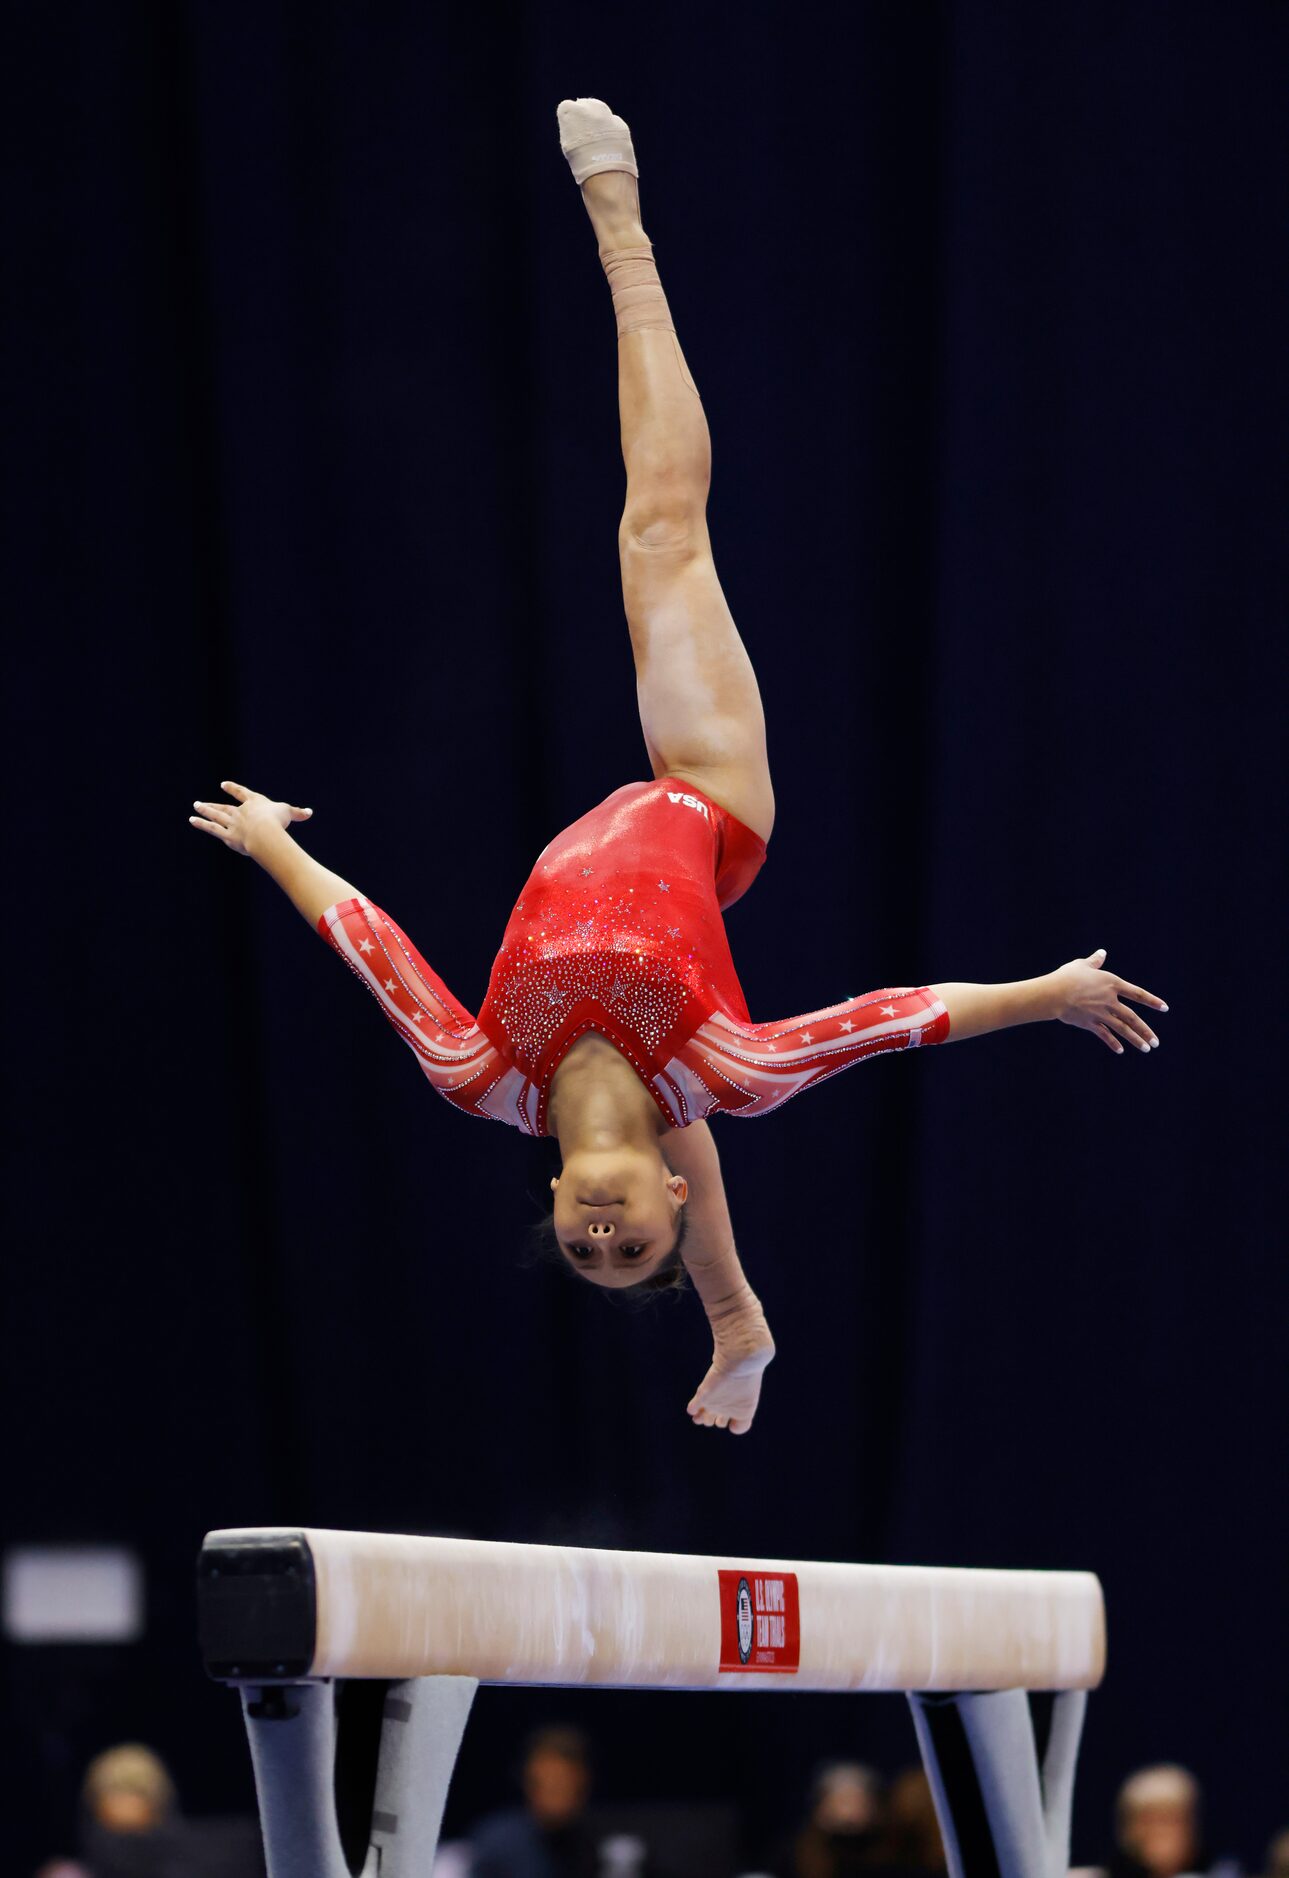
(614, 1019)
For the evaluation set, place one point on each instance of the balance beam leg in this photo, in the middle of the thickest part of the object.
(352, 1778)
(1000, 1815)
(292, 1734)
(424, 1722)
(1068, 1711)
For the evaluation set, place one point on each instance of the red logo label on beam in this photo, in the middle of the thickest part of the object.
(760, 1622)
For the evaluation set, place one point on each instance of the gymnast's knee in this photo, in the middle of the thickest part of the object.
(665, 510)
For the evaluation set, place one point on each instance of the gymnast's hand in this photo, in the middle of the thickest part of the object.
(235, 823)
(731, 1389)
(1091, 997)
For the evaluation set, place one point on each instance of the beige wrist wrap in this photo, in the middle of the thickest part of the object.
(638, 298)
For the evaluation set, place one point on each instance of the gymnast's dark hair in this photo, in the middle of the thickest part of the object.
(667, 1277)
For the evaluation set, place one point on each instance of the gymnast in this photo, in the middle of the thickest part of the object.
(614, 1019)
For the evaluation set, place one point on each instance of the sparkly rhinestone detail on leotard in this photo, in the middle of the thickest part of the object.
(605, 948)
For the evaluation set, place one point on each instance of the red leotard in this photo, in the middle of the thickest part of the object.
(619, 930)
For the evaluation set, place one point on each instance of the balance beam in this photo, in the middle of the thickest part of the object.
(294, 1615)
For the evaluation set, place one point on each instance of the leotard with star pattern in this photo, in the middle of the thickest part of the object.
(619, 930)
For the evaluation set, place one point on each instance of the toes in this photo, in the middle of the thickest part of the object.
(588, 108)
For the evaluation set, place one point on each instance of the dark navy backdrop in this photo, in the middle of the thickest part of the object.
(311, 478)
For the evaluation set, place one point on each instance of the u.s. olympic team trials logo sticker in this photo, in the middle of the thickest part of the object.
(743, 1618)
(760, 1622)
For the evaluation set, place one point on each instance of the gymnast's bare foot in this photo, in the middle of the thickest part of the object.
(731, 1389)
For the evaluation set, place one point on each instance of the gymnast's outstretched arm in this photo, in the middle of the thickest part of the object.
(455, 1057)
(753, 1068)
(253, 825)
(728, 1396)
(1081, 993)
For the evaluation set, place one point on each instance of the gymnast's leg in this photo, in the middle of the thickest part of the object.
(700, 707)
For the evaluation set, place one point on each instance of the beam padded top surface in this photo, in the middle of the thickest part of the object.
(293, 1601)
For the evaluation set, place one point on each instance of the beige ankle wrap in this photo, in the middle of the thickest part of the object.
(638, 298)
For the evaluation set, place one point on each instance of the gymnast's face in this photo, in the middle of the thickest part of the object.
(616, 1213)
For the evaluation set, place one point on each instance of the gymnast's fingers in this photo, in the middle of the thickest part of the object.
(238, 791)
(215, 812)
(1111, 1043)
(300, 815)
(1137, 995)
(1122, 1027)
(208, 828)
(1134, 1026)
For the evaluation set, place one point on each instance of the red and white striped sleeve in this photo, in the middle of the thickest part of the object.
(750, 1069)
(452, 1051)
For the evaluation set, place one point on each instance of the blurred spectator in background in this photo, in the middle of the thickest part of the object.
(548, 1837)
(127, 1790)
(1157, 1825)
(130, 1816)
(912, 1829)
(1277, 1860)
(846, 1828)
(131, 1827)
